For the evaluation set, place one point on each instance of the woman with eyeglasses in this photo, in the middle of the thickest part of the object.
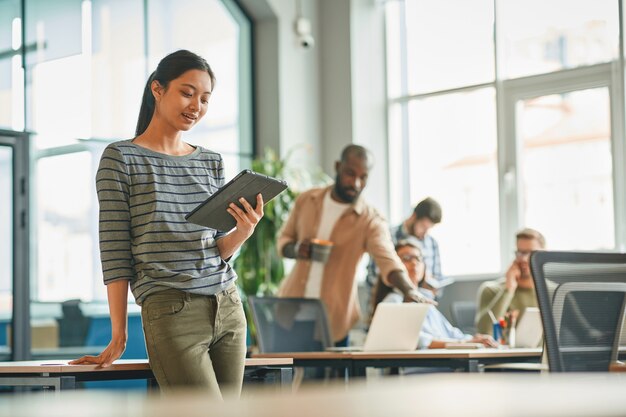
(436, 331)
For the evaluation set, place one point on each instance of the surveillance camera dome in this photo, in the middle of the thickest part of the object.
(307, 41)
(303, 31)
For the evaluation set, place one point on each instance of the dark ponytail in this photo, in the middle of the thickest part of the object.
(147, 107)
(171, 67)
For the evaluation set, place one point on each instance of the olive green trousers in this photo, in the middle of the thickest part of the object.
(196, 341)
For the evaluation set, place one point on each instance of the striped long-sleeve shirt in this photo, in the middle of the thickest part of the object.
(144, 237)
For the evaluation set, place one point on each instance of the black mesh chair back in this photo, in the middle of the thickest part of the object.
(581, 297)
(290, 324)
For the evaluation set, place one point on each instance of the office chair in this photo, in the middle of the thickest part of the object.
(290, 324)
(463, 314)
(581, 297)
(73, 325)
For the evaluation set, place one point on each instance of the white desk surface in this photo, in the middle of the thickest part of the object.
(62, 366)
(425, 353)
(452, 353)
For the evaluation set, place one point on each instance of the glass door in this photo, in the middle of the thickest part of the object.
(14, 275)
(6, 248)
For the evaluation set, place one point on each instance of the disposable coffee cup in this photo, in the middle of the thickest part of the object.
(320, 250)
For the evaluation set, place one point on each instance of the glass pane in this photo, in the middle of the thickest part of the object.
(57, 78)
(66, 211)
(397, 180)
(53, 29)
(213, 33)
(566, 168)
(539, 36)
(453, 160)
(117, 67)
(449, 43)
(393, 20)
(60, 113)
(11, 73)
(57, 72)
(100, 79)
(6, 246)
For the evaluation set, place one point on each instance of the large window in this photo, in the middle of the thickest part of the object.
(453, 159)
(85, 75)
(510, 114)
(566, 167)
(536, 36)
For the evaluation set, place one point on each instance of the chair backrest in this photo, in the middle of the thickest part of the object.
(290, 324)
(463, 314)
(73, 325)
(581, 297)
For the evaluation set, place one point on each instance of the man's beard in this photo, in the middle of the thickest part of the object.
(341, 192)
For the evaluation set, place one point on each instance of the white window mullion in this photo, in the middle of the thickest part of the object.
(618, 148)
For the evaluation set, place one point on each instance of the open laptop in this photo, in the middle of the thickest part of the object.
(529, 330)
(395, 326)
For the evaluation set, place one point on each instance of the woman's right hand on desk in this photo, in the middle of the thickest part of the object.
(111, 353)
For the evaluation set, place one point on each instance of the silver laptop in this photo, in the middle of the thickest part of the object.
(395, 326)
(529, 330)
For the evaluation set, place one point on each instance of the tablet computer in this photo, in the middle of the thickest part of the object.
(247, 184)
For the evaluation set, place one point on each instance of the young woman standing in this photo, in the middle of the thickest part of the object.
(193, 319)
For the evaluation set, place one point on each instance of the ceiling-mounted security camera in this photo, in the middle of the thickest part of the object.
(303, 29)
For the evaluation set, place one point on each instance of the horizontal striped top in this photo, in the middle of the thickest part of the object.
(144, 237)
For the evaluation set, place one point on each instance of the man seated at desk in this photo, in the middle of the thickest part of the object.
(436, 330)
(516, 290)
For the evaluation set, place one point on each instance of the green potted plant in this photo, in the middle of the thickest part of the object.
(258, 264)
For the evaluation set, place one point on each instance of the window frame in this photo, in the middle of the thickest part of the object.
(514, 90)
(610, 75)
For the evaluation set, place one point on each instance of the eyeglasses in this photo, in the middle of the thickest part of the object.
(522, 254)
(409, 258)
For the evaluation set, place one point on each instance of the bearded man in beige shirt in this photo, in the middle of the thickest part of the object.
(337, 213)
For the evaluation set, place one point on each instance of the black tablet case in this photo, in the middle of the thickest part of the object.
(247, 184)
